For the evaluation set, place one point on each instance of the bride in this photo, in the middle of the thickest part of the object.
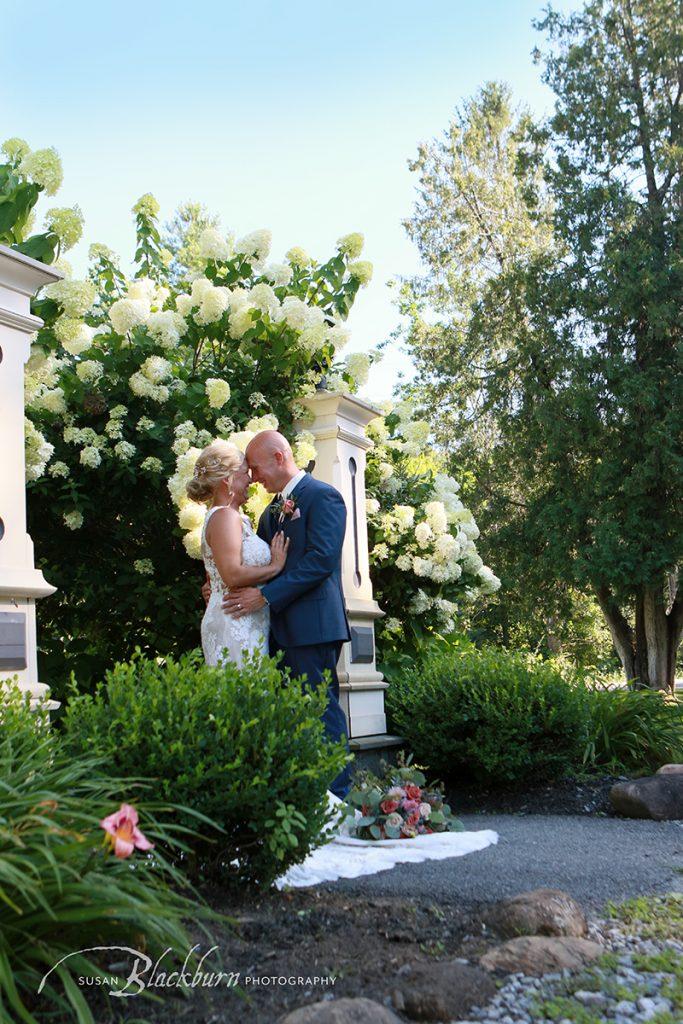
(233, 555)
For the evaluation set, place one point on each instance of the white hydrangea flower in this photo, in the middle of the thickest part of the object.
(419, 603)
(422, 566)
(404, 516)
(193, 543)
(446, 547)
(338, 336)
(180, 446)
(144, 424)
(351, 245)
(241, 439)
(124, 451)
(358, 366)
(470, 528)
(186, 429)
(404, 563)
(241, 320)
(75, 297)
(297, 256)
(191, 515)
(264, 298)
(67, 224)
(372, 506)
(489, 581)
(213, 305)
(114, 429)
(256, 243)
(184, 304)
(312, 338)
(126, 314)
(435, 513)
(90, 457)
(53, 401)
(213, 246)
(204, 437)
(225, 426)
(15, 148)
(393, 625)
(257, 399)
(361, 271)
(76, 337)
(39, 451)
(166, 328)
(156, 369)
(147, 206)
(279, 273)
(73, 520)
(59, 469)
(89, 371)
(144, 566)
(380, 552)
(294, 312)
(44, 167)
(423, 534)
(386, 470)
(151, 464)
(259, 423)
(99, 251)
(144, 388)
(415, 435)
(304, 448)
(218, 392)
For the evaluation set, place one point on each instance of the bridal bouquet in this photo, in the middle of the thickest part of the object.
(397, 805)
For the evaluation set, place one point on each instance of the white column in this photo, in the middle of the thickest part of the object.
(341, 442)
(20, 582)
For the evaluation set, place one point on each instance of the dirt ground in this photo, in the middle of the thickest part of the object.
(314, 942)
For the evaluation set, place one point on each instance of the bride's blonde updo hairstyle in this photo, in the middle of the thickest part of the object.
(215, 463)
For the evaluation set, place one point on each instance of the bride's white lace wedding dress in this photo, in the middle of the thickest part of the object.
(223, 637)
(341, 856)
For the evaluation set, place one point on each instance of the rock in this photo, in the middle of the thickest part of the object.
(670, 769)
(540, 912)
(658, 796)
(540, 954)
(441, 991)
(592, 999)
(342, 1011)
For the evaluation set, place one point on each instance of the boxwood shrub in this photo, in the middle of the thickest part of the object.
(243, 747)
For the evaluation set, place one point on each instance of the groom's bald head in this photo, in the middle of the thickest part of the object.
(270, 460)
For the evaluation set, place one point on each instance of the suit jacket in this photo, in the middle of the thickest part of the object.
(306, 599)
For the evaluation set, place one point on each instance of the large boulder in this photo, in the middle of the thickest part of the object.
(440, 991)
(342, 1011)
(670, 769)
(539, 912)
(540, 954)
(658, 796)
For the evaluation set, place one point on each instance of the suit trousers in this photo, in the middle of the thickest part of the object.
(312, 661)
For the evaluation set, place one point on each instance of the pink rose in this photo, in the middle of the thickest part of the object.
(413, 792)
(388, 806)
(410, 805)
(425, 810)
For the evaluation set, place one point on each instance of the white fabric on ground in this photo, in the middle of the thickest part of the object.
(346, 857)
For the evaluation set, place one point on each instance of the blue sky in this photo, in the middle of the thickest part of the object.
(295, 116)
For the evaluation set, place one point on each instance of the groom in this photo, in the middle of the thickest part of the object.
(307, 614)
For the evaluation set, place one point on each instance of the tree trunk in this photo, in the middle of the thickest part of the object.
(648, 651)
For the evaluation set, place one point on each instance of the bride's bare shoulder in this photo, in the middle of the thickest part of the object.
(222, 517)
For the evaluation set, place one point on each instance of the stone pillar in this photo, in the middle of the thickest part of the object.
(341, 443)
(20, 582)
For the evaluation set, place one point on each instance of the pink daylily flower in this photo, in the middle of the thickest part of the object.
(122, 827)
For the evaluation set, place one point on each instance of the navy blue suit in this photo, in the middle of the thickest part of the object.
(307, 614)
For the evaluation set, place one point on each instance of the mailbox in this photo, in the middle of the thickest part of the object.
(12, 640)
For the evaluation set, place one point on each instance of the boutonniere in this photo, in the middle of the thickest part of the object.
(286, 509)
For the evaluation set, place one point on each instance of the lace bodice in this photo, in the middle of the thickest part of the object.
(254, 551)
(224, 637)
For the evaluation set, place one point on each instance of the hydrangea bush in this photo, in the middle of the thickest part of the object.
(129, 378)
(427, 573)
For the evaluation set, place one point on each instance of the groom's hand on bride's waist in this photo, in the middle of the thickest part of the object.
(243, 601)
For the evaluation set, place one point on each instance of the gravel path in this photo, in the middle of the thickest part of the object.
(595, 859)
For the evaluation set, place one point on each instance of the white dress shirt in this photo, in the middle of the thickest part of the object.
(291, 484)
